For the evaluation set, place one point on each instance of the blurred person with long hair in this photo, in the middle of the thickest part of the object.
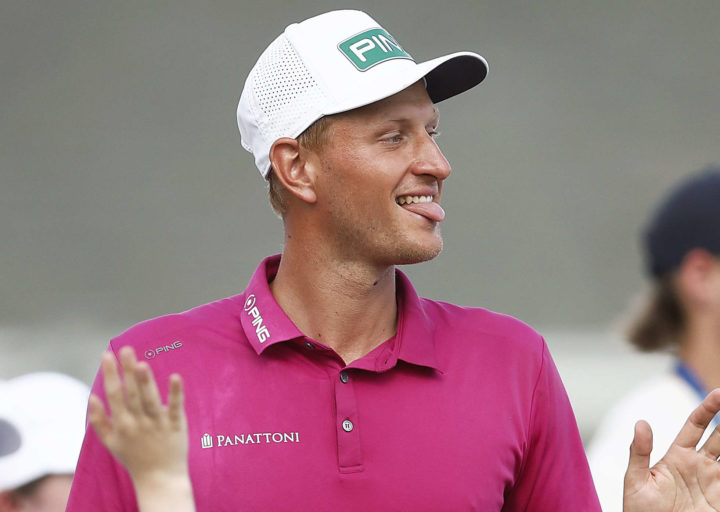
(680, 314)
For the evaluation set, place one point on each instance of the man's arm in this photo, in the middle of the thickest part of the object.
(148, 438)
(685, 479)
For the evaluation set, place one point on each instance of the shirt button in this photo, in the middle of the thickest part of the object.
(309, 345)
(344, 377)
(347, 425)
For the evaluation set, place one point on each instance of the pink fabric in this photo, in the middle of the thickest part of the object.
(462, 410)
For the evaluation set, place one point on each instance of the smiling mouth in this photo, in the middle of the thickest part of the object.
(423, 206)
(413, 199)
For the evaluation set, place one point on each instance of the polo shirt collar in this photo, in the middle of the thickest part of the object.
(263, 320)
(265, 323)
(415, 338)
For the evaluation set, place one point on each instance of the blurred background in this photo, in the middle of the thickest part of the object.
(125, 193)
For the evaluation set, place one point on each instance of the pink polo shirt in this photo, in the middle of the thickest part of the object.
(462, 409)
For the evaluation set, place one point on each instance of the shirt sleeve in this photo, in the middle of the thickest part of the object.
(100, 481)
(554, 475)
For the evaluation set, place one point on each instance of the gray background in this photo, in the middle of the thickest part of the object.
(125, 193)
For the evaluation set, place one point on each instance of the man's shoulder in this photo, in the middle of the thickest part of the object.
(482, 327)
(477, 319)
(218, 315)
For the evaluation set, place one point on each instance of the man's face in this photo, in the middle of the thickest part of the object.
(380, 181)
(50, 495)
(715, 279)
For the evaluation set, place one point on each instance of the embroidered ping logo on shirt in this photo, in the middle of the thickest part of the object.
(222, 440)
(152, 353)
(372, 47)
(261, 330)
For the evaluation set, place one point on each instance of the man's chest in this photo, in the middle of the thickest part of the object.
(323, 437)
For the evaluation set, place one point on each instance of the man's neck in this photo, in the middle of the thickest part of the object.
(349, 306)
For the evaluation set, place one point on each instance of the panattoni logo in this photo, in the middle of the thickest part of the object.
(261, 330)
(372, 47)
(221, 440)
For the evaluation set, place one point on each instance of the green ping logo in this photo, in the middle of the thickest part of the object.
(372, 47)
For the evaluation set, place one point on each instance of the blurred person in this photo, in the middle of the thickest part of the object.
(680, 314)
(42, 420)
(329, 383)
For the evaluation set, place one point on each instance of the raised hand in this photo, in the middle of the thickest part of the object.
(686, 478)
(147, 437)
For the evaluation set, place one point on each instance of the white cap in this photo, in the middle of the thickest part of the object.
(333, 63)
(42, 424)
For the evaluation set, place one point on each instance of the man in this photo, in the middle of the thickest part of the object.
(41, 430)
(680, 314)
(329, 383)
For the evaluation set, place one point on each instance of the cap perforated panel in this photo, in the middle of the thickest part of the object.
(285, 91)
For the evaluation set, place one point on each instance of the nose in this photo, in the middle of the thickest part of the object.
(430, 159)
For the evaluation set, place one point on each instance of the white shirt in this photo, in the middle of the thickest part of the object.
(664, 402)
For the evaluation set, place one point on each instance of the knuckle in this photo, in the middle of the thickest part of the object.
(125, 424)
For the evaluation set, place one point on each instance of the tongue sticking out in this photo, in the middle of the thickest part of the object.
(432, 211)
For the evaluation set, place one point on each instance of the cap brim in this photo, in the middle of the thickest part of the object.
(444, 77)
(453, 74)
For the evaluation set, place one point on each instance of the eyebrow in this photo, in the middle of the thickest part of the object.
(434, 119)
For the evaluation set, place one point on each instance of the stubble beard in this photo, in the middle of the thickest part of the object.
(388, 247)
(384, 241)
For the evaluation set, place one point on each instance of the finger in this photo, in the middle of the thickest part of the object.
(98, 418)
(640, 449)
(698, 421)
(128, 361)
(711, 447)
(149, 394)
(176, 399)
(112, 384)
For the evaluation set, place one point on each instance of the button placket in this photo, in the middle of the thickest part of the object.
(349, 448)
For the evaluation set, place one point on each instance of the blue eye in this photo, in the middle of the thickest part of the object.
(394, 139)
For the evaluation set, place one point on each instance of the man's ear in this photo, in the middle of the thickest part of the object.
(695, 273)
(292, 168)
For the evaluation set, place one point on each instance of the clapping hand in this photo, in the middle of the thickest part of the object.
(686, 478)
(147, 437)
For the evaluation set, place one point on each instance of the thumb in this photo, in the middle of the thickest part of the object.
(640, 449)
